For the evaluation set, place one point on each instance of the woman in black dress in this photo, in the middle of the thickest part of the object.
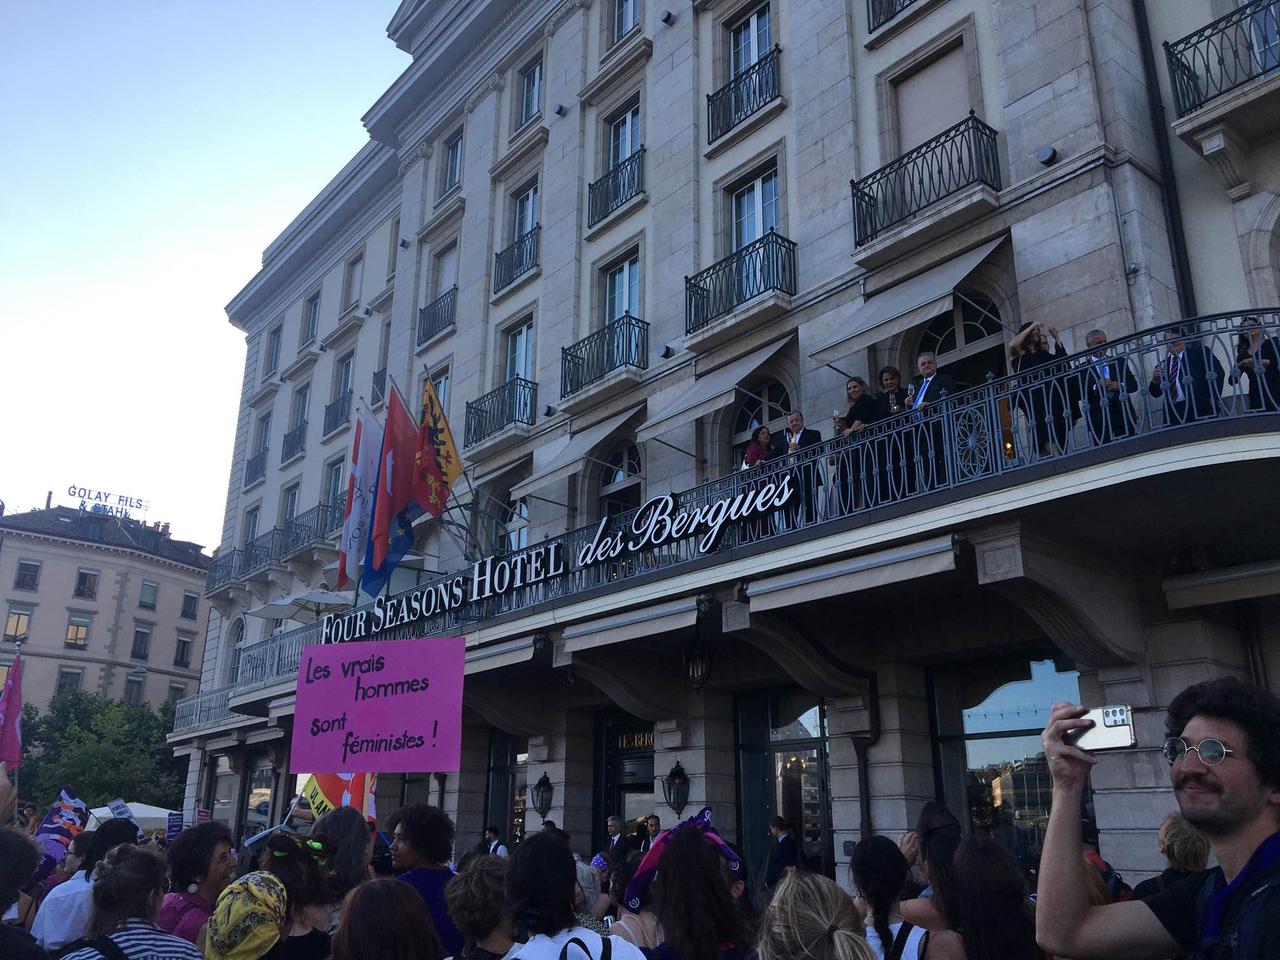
(1258, 356)
(1042, 396)
(862, 412)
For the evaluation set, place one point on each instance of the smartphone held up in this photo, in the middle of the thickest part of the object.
(1112, 730)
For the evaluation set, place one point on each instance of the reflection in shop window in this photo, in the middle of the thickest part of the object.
(222, 790)
(992, 770)
(257, 810)
(508, 780)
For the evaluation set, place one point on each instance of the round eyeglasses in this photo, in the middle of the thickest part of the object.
(1210, 751)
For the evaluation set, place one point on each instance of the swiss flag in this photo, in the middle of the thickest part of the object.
(396, 481)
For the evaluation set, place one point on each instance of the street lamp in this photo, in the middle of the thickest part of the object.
(697, 662)
(541, 793)
(675, 789)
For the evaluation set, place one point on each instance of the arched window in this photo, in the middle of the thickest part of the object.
(620, 480)
(766, 404)
(235, 637)
(969, 339)
(511, 532)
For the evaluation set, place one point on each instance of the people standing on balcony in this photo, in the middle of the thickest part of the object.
(1108, 384)
(420, 849)
(1043, 397)
(861, 413)
(896, 471)
(1258, 357)
(201, 864)
(1189, 379)
(932, 387)
(759, 448)
(893, 397)
(804, 475)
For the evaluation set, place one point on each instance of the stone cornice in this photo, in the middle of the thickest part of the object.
(563, 13)
(419, 151)
(490, 84)
(529, 143)
(634, 55)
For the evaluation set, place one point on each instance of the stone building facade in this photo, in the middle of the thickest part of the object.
(620, 236)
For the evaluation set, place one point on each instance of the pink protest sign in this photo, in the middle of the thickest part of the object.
(383, 706)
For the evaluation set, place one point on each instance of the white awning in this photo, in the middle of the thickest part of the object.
(708, 393)
(901, 307)
(564, 457)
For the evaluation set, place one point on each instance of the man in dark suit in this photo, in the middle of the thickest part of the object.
(796, 438)
(615, 844)
(782, 854)
(931, 388)
(1108, 382)
(652, 827)
(1189, 378)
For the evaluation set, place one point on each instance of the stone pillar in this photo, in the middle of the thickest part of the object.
(704, 746)
(565, 756)
(901, 761)
(465, 790)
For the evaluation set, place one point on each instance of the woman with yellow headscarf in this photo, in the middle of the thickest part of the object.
(248, 919)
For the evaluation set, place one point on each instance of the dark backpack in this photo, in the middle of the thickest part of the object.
(1241, 935)
(104, 945)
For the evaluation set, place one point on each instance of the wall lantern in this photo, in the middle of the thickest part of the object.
(675, 789)
(541, 793)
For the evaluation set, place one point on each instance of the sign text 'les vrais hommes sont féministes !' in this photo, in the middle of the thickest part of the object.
(379, 707)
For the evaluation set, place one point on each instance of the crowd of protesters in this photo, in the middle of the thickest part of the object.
(683, 893)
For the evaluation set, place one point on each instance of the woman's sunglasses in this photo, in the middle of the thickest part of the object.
(1210, 751)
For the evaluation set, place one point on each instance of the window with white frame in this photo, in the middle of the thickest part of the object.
(190, 604)
(310, 320)
(625, 16)
(289, 502)
(86, 584)
(133, 690)
(301, 400)
(451, 170)
(440, 382)
(511, 532)
(182, 650)
(333, 486)
(446, 270)
(749, 39)
(763, 405)
(519, 352)
(620, 480)
(622, 288)
(17, 623)
(69, 679)
(624, 135)
(755, 208)
(530, 92)
(78, 630)
(393, 249)
(28, 575)
(524, 211)
(147, 595)
(250, 528)
(271, 356)
(344, 375)
(262, 433)
(352, 281)
(141, 643)
(177, 691)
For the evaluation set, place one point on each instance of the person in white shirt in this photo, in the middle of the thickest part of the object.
(541, 883)
(496, 847)
(64, 914)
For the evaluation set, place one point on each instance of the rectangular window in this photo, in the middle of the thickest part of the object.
(624, 18)
(755, 209)
(78, 630)
(624, 135)
(530, 92)
(271, 361)
(250, 525)
(86, 584)
(17, 623)
(446, 270)
(141, 643)
(622, 289)
(301, 400)
(262, 434)
(310, 321)
(343, 375)
(525, 212)
(394, 250)
(932, 98)
(352, 280)
(133, 690)
(749, 40)
(289, 503)
(520, 352)
(452, 163)
(69, 679)
(147, 594)
(333, 487)
(440, 380)
(190, 604)
(182, 651)
(28, 577)
(177, 691)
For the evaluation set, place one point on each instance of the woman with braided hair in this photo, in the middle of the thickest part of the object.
(811, 918)
(878, 870)
(302, 865)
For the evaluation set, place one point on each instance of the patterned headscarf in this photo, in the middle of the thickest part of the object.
(248, 918)
(648, 869)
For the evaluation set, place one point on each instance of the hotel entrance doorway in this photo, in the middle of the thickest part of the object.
(624, 766)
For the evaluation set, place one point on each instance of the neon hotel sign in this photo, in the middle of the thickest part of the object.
(655, 524)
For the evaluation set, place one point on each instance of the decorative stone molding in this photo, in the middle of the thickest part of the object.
(419, 151)
(1228, 156)
(629, 60)
(801, 655)
(490, 84)
(560, 16)
(529, 143)
(647, 694)
(507, 711)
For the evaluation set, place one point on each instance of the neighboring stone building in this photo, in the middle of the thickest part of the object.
(619, 236)
(101, 604)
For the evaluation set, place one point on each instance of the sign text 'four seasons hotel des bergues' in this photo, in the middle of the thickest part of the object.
(656, 523)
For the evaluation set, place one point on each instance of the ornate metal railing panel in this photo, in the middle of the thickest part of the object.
(438, 315)
(222, 570)
(259, 552)
(255, 468)
(621, 343)
(204, 709)
(956, 158)
(758, 267)
(310, 527)
(1224, 54)
(378, 388)
(880, 12)
(620, 184)
(293, 442)
(275, 658)
(517, 260)
(516, 401)
(337, 413)
(753, 88)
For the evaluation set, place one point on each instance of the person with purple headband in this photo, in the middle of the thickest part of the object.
(691, 873)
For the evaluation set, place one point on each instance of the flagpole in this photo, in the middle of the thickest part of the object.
(17, 770)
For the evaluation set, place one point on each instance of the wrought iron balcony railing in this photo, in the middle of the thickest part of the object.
(337, 413)
(260, 552)
(956, 158)
(623, 342)
(275, 658)
(758, 267)
(293, 442)
(516, 401)
(438, 315)
(755, 87)
(378, 389)
(880, 12)
(204, 709)
(517, 260)
(222, 570)
(623, 181)
(311, 526)
(1224, 54)
(255, 468)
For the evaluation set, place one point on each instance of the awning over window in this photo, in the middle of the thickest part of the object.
(564, 457)
(900, 308)
(708, 393)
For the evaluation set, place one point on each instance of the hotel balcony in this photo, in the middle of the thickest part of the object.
(255, 468)
(880, 12)
(306, 539)
(295, 442)
(437, 316)
(950, 179)
(378, 388)
(605, 363)
(509, 410)
(208, 708)
(337, 414)
(623, 183)
(260, 553)
(515, 261)
(222, 571)
(744, 98)
(1225, 79)
(745, 290)
(269, 662)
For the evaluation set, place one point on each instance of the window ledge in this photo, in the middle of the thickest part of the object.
(379, 301)
(616, 216)
(439, 335)
(747, 126)
(266, 390)
(293, 459)
(624, 57)
(448, 209)
(518, 283)
(348, 324)
(305, 362)
(336, 432)
(528, 140)
(963, 207)
(899, 23)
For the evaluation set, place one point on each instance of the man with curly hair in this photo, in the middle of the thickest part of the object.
(1223, 749)
(421, 847)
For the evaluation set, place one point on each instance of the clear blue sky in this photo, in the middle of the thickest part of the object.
(150, 151)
